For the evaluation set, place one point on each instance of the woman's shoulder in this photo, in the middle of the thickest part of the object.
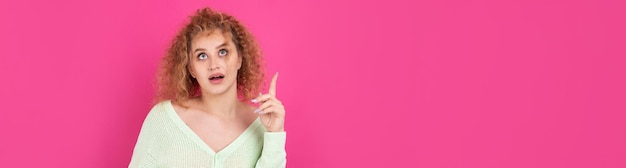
(155, 118)
(161, 106)
(160, 109)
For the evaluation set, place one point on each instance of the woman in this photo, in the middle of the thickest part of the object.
(208, 80)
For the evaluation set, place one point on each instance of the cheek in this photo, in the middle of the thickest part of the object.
(199, 69)
(233, 63)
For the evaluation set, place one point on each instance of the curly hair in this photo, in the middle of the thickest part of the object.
(174, 79)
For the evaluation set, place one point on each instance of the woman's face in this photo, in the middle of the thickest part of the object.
(214, 62)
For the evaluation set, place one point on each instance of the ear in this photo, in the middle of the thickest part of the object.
(191, 71)
(239, 61)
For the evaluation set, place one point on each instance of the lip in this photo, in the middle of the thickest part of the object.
(216, 81)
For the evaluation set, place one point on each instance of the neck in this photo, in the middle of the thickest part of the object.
(224, 105)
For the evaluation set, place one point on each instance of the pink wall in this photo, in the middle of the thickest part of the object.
(365, 83)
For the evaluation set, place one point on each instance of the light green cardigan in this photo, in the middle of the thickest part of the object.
(166, 141)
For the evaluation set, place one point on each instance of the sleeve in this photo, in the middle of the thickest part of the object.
(273, 154)
(141, 156)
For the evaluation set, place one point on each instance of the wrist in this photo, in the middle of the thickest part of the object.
(276, 130)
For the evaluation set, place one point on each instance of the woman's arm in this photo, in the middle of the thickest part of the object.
(273, 154)
(141, 157)
(272, 113)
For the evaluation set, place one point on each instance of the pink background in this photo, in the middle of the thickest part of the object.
(481, 83)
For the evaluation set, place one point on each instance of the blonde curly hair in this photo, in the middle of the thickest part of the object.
(174, 79)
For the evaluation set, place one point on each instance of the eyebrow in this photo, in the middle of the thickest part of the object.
(202, 49)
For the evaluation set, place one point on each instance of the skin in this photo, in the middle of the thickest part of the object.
(218, 117)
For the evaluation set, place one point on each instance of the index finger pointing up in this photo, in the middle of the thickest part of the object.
(273, 84)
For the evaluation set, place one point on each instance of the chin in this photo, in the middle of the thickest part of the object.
(217, 90)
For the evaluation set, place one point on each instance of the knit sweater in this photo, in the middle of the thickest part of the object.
(166, 141)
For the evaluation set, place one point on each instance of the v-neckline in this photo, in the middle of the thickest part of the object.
(196, 138)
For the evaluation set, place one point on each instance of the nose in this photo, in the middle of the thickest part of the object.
(213, 63)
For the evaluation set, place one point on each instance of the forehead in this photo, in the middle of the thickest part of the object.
(210, 39)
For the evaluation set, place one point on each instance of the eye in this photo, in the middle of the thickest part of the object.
(222, 52)
(202, 56)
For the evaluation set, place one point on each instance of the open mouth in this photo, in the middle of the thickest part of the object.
(216, 77)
